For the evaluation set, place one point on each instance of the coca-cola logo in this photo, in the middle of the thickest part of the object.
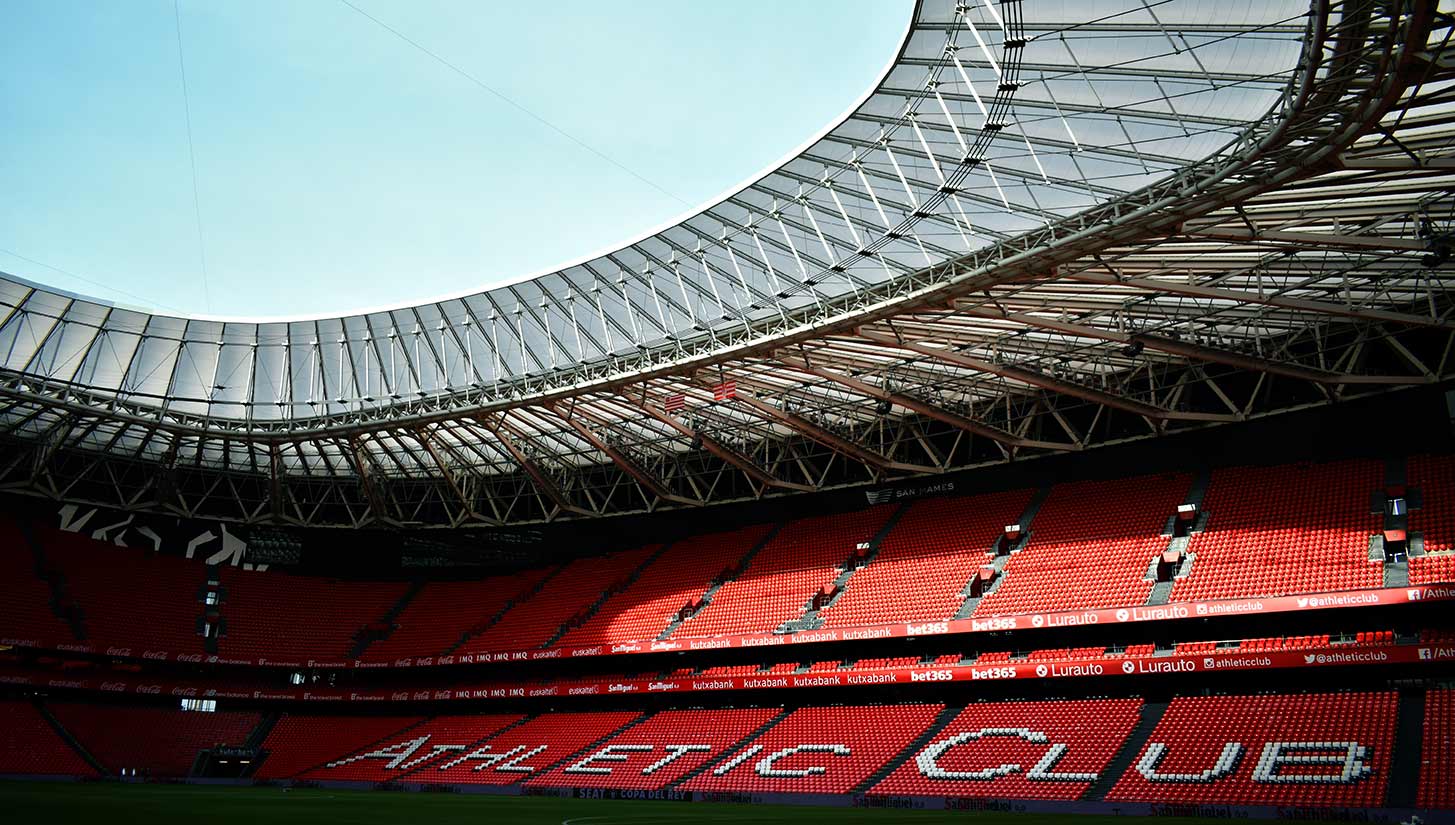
(188, 657)
(118, 651)
(184, 691)
(148, 688)
(113, 686)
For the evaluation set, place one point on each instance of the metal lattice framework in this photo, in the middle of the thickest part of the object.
(1049, 226)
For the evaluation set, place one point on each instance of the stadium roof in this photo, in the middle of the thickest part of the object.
(1050, 225)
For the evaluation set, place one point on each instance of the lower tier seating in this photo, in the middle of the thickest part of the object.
(29, 745)
(159, 742)
(1018, 750)
(297, 743)
(526, 750)
(659, 751)
(414, 748)
(1437, 769)
(1312, 749)
(819, 750)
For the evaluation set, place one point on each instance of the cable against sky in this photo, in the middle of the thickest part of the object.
(192, 155)
(516, 105)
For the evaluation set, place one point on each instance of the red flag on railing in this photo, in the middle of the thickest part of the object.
(674, 403)
(725, 390)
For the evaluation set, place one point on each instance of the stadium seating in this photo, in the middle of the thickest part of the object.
(536, 620)
(160, 742)
(323, 615)
(1272, 531)
(643, 611)
(29, 745)
(1017, 750)
(926, 560)
(442, 614)
(104, 581)
(297, 743)
(801, 560)
(659, 751)
(25, 598)
(1090, 546)
(1313, 749)
(819, 750)
(415, 748)
(525, 750)
(1437, 769)
(1434, 476)
(1436, 568)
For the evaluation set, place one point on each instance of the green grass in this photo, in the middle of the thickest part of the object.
(34, 803)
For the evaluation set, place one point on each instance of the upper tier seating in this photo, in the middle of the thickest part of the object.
(534, 621)
(1434, 475)
(526, 750)
(158, 742)
(29, 745)
(131, 597)
(926, 560)
(1436, 568)
(818, 750)
(1090, 546)
(1289, 529)
(442, 613)
(659, 751)
(438, 740)
(297, 743)
(643, 611)
(1316, 749)
(1437, 752)
(25, 611)
(802, 559)
(323, 616)
(996, 749)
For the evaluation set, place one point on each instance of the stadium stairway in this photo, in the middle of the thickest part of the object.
(810, 620)
(383, 627)
(265, 725)
(607, 593)
(1162, 590)
(706, 597)
(69, 739)
(61, 603)
(502, 612)
(1121, 761)
(731, 749)
(999, 559)
(944, 718)
(1409, 742)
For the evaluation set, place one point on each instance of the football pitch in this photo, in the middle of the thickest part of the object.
(34, 803)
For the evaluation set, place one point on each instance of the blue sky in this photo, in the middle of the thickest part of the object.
(338, 167)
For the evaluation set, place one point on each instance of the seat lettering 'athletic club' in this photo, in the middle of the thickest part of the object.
(1067, 429)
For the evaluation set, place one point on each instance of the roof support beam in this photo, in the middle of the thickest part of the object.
(1284, 302)
(923, 408)
(427, 443)
(1043, 381)
(1199, 352)
(622, 460)
(1309, 240)
(834, 442)
(543, 482)
(722, 451)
